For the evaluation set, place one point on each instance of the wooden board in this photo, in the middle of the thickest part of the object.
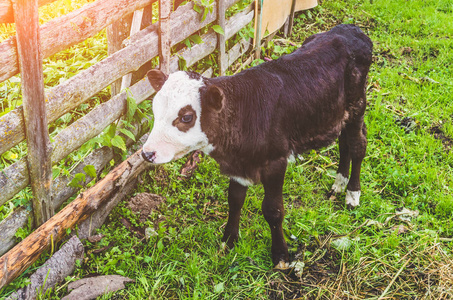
(276, 12)
(32, 83)
(61, 192)
(76, 90)
(71, 29)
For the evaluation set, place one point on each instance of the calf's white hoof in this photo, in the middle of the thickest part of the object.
(282, 265)
(352, 198)
(340, 184)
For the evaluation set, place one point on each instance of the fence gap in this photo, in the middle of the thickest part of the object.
(165, 8)
(136, 25)
(39, 148)
(223, 64)
(116, 34)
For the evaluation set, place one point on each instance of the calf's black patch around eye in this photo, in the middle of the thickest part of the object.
(185, 126)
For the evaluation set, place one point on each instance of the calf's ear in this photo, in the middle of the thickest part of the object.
(157, 79)
(215, 98)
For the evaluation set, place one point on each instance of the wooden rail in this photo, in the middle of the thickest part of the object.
(25, 253)
(78, 89)
(71, 29)
(136, 51)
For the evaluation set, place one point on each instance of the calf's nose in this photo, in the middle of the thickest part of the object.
(149, 156)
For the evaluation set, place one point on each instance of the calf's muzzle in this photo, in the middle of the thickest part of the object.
(149, 156)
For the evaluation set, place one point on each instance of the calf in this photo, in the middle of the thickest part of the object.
(252, 122)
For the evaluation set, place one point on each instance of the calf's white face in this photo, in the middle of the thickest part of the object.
(177, 110)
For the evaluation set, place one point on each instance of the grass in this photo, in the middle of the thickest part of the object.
(372, 252)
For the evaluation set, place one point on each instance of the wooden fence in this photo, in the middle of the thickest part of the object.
(24, 53)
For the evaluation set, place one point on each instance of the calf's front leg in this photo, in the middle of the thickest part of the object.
(236, 197)
(272, 178)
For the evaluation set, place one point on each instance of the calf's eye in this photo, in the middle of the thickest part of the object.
(187, 118)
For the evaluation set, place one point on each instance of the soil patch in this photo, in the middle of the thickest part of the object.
(437, 132)
(144, 204)
(320, 270)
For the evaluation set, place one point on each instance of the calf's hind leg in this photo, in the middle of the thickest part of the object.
(357, 142)
(272, 178)
(341, 180)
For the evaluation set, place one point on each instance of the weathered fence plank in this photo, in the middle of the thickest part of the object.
(28, 251)
(18, 219)
(7, 12)
(101, 156)
(176, 20)
(221, 37)
(60, 193)
(38, 141)
(165, 8)
(199, 51)
(237, 50)
(75, 27)
(55, 270)
(79, 88)
(13, 179)
(258, 21)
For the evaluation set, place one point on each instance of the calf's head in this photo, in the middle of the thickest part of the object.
(177, 117)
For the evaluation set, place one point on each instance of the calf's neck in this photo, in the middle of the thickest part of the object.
(252, 122)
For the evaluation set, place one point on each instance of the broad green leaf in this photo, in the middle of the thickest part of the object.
(197, 8)
(75, 182)
(218, 29)
(55, 172)
(160, 245)
(131, 108)
(187, 43)
(111, 130)
(90, 170)
(196, 39)
(106, 140)
(127, 133)
(118, 142)
(205, 14)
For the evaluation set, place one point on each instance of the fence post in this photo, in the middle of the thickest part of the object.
(258, 22)
(165, 8)
(39, 147)
(291, 17)
(221, 37)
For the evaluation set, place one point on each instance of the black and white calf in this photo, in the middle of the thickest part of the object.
(250, 123)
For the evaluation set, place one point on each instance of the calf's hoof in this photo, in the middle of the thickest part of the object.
(352, 199)
(282, 265)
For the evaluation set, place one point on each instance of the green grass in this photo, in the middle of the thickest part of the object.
(409, 164)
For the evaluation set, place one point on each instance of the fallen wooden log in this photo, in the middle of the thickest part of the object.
(53, 271)
(93, 287)
(28, 251)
